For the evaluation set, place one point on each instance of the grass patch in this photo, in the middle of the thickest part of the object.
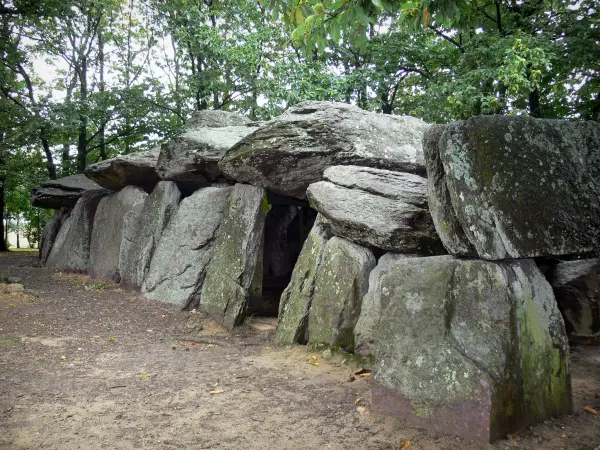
(7, 342)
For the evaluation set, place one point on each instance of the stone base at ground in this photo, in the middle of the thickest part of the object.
(472, 348)
(50, 232)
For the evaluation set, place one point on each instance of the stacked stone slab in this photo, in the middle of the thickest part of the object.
(61, 193)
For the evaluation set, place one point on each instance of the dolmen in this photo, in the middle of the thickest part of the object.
(461, 259)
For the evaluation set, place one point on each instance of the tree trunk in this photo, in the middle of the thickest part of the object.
(18, 231)
(3, 246)
(535, 108)
(82, 142)
(102, 88)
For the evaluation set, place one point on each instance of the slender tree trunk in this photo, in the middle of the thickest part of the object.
(101, 88)
(82, 142)
(18, 230)
(3, 246)
(535, 107)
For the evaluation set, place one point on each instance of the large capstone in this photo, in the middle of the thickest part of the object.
(140, 240)
(235, 265)
(290, 152)
(341, 282)
(50, 232)
(577, 288)
(190, 158)
(109, 226)
(178, 266)
(61, 193)
(467, 347)
(519, 187)
(378, 208)
(71, 249)
(294, 307)
(134, 169)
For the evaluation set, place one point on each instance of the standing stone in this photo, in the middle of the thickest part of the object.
(290, 152)
(294, 307)
(519, 187)
(341, 283)
(178, 266)
(61, 193)
(134, 169)
(157, 210)
(71, 249)
(467, 347)
(191, 158)
(233, 267)
(378, 208)
(577, 288)
(50, 232)
(107, 235)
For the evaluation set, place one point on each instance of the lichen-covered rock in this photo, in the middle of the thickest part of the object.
(576, 286)
(71, 249)
(190, 158)
(61, 193)
(234, 263)
(519, 187)
(290, 152)
(158, 209)
(178, 266)
(50, 232)
(107, 235)
(378, 208)
(469, 347)
(294, 307)
(341, 282)
(134, 169)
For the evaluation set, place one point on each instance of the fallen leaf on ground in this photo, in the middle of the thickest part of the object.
(64, 358)
(365, 375)
(351, 378)
(362, 371)
(220, 391)
(404, 445)
(314, 357)
(591, 410)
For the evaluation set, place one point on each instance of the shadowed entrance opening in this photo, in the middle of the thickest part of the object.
(286, 228)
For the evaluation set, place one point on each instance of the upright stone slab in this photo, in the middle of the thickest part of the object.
(107, 235)
(158, 209)
(378, 208)
(61, 193)
(468, 347)
(576, 285)
(294, 307)
(519, 187)
(341, 283)
(233, 267)
(134, 169)
(290, 152)
(71, 249)
(50, 232)
(178, 266)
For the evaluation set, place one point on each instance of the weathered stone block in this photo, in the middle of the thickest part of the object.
(50, 232)
(61, 193)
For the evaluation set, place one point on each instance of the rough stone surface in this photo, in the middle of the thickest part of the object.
(107, 235)
(71, 249)
(158, 209)
(294, 307)
(290, 152)
(378, 208)
(190, 159)
(61, 193)
(468, 347)
(135, 169)
(233, 266)
(519, 187)
(341, 283)
(178, 266)
(577, 288)
(50, 232)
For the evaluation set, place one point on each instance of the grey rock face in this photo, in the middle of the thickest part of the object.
(379, 208)
(470, 347)
(233, 266)
(107, 235)
(341, 282)
(61, 193)
(178, 266)
(135, 169)
(190, 159)
(71, 249)
(290, 152)
(156, 212)
(519, 187)
(294, 307)
(50, 232)
(577, 288)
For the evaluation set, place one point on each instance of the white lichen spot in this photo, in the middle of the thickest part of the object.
(414, 302)
(508, 137)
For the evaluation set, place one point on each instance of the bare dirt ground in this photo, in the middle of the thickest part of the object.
(85, 365)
